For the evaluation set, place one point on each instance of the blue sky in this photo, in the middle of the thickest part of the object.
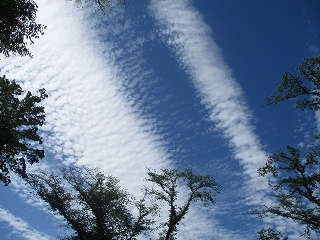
(166, 84)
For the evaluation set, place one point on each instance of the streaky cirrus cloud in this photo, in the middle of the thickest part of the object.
(98, 88)
(182, 28)
(190, 38)
(20, 227)
(89, 121)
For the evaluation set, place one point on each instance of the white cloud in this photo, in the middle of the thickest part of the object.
(20, 227)
(190, 39)
(90, 119)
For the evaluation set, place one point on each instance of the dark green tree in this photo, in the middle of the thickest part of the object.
(296, 188)
(296, 172)
(305, 86)
(92, 204)
(18, 26)
(200, 188)
(270, 234)
(19, 122)
(104, 6)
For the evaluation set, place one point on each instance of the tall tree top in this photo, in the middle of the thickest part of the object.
(306, 85)
(18, 27)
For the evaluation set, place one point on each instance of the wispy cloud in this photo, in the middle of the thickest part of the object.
(90, 121)
(184, 31)
(190, 38)
(95, 114)
(20, 227)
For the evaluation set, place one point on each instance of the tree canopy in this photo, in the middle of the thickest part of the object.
(200, 188)
(306, 85)
(92, 204)
(96, 207)
(19, 122)
(296, 172)
(270, 234)
(18, 26)
(103, 5)
(296, 188)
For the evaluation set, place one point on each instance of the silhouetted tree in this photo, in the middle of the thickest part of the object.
(92, 204)
(296, 188)
(18, 27)
(19, 122)
(306, 85)
(270, 234)
(105, 6)
(296, 171)
(200, 188)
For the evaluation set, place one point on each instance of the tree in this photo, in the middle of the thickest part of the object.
(296, 171)
(19, 129)
(306, 85)
(270, 234)
(92, 204)
(296, 187)
(19, 121)
(18, 27)
(200, 188)
(105, 6)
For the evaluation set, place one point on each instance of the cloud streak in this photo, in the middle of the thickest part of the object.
(182, 28)
(92, 118)
(97, 110)
(190, 38)
(20, 227)
(89, 119)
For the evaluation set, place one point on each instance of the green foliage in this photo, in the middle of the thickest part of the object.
(19, 122)
(95, 206)
(296, 172)
(92, 204)
(18, 26)
(200, 187)
(307, 84)
(270, 234)
(296, 187)
(104, 6)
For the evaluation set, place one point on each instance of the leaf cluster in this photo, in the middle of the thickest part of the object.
(270, 234)
(20, 118)
(18, 26)
(105, 6)
(296, 187)
(307, 84)
(200, 188)
(296, 181)
(93, 205)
